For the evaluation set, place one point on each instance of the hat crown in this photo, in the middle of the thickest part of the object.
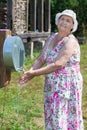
(69, 12)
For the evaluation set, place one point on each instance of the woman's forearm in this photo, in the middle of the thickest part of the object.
(37, 64)
(46, 70)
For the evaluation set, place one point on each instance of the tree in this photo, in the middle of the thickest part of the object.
(82, 17)
(79, 6)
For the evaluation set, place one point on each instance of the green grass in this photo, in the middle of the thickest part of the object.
(84, 73)
(23, 109)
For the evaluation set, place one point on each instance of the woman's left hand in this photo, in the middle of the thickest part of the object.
(28, 75)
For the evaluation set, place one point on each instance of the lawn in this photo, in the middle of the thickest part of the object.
(22, 109)
(84, 73)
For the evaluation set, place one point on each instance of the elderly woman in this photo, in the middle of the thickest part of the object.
(63, 80)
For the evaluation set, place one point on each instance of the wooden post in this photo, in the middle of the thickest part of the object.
(9, 14)
(27, 13)
(3, 13)
(47, 16)
(32, 15)
(40, 15)
(32, 48)
(5, 74)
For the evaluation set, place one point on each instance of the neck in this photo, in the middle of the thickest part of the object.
(62, 35)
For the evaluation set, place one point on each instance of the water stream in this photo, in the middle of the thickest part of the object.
(20, 86)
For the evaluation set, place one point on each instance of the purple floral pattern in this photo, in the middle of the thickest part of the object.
(63, 93)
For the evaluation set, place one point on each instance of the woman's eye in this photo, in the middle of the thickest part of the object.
(62, 19)
(68, 20)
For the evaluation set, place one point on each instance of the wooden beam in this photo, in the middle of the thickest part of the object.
(9, 14)
(47, 12)
(32, 15)
(34, 36)
(3, 14)
(27, 13)
(40, 6)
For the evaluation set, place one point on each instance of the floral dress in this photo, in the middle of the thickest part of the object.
(63, 93)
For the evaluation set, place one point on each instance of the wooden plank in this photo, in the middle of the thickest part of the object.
(32, 15)
(40, 6)
(34, 36)
(9, 14)
(3, 14)
(27, 14)
(47, 11)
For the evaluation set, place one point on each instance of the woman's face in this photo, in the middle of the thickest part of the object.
(65, 23)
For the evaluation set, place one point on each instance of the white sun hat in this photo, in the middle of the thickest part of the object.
(70, 13)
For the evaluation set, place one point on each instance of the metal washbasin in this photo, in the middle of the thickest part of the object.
(14, 53)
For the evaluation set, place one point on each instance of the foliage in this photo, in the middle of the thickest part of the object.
(79, 6)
